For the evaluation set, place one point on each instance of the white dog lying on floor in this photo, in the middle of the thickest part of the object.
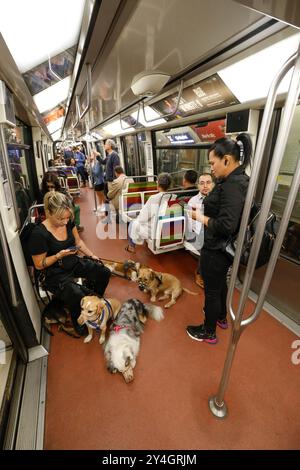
(123, 344)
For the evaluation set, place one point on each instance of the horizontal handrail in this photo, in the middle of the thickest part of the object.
(168, 114)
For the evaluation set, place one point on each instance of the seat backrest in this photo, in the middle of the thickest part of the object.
(133, 198)
(170, 226)
(73, 185)
(142, 186)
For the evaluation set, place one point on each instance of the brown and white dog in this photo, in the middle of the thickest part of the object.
(156, 282)
(128, 269)
(95, 313)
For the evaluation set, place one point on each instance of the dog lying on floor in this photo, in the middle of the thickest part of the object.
(155, 283)
(128, 269)
(55, 312)
(123, 344)
(95, 313)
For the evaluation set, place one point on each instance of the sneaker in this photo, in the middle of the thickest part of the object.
(223, 324)
(199, 333)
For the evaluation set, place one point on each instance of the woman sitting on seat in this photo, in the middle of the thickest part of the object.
(54, 247)
(142, 227)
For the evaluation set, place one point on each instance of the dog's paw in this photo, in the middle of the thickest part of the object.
(88, 339)
(101, 339)
(168, 305)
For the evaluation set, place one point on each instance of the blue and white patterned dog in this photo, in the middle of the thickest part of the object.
(123, 344)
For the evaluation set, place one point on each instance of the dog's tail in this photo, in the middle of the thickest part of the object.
(154, 312)
(189, 291)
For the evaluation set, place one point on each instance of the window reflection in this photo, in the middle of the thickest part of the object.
(17, 160)
(291, 243)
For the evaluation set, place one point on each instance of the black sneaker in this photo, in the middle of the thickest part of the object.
(199, 333)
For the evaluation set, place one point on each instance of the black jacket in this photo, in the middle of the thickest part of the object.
(224, 207)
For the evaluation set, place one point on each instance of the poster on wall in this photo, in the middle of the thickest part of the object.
(208, 94)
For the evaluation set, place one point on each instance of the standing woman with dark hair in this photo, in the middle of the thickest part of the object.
(223, 209)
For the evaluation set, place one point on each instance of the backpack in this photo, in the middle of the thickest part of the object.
(267, 242)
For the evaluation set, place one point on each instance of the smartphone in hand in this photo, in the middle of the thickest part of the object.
(73, 248)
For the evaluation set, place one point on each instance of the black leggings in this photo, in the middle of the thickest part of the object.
(71, 293)
(214, 268)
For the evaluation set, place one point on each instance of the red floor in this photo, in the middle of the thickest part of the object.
(166, 407)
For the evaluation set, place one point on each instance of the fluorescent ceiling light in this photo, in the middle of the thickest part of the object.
(115, 128)
(44, 34)
(251, 78)
(150, 114)
(55, 125)
(56, 135)
(53, 95)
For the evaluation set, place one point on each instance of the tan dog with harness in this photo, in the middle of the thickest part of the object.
(155, 283)
(95, 313)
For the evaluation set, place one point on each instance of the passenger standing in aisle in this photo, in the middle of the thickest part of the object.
(223, 209)
(80, 165)
(98, 179)
(111, 161)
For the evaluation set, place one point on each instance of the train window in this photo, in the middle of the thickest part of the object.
(291, 244)
(16, 149)
(185, 148)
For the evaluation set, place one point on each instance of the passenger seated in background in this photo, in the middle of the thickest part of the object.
(50, 244)
(205, 185)
(50, 182)
(189, 180)
(142, 227)
(116, 187)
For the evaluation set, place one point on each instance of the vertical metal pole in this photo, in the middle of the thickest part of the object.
(216, 403)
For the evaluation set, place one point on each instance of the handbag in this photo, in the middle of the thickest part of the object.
(267, 241)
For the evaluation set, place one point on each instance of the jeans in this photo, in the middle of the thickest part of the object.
(214, 267)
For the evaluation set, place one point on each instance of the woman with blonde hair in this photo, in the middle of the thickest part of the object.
(54, 247)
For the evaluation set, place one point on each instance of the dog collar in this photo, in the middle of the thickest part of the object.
(117, 328)
(96, 323)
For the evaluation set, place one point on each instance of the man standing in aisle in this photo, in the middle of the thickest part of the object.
(205, 185)
(111, 161)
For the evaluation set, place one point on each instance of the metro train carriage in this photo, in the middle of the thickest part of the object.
(155, 84)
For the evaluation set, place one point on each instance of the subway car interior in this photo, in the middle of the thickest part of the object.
(163, 80)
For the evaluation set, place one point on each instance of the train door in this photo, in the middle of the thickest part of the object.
(134, 156)
(283, 290)
(13, 348)
(15, 198)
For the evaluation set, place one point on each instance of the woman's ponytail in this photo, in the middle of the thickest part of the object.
(244, 143)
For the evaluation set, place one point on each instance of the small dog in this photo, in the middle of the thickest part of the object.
(55, 312)
(155, 282)
(123, 344)
(128, 269)
(95, 313)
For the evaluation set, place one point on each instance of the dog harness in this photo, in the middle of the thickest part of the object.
(95, 324)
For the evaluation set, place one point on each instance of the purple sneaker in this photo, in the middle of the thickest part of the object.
(223, 324)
